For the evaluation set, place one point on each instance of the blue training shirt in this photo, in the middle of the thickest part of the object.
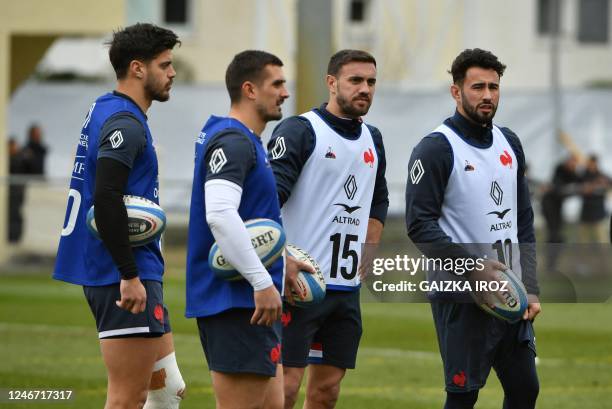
(207, 294)
(82, 258)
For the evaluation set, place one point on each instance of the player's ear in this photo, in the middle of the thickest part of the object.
(455, 92)
(332, 82)
(137, 69)
(248, 90)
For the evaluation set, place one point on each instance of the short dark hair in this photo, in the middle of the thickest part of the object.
(343, 57)
(141, 41)
(474, 58)
(247, 65)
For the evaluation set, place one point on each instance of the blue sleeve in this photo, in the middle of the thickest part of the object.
(526, 231)
(380, 199)
(122, 138)
(230, 155)
(429, 169)
(291, 145)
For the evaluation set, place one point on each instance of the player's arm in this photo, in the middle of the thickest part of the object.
(526, 231)
(222, 193)
(380, 198)
(290, 146)
(122, 139)
(378, 208)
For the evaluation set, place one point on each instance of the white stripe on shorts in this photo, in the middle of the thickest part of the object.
(123, 331)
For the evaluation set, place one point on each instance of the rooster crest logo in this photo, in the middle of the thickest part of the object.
(368, 157)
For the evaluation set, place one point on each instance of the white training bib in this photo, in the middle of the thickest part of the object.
(328, 210)
(480, 201)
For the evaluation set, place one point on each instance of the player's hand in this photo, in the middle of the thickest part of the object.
(292, 268)
(368, 254)
(533, 307)
(268, 306)
(487, 274)
(133, 296)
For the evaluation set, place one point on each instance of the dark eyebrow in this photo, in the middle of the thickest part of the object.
(279, 82)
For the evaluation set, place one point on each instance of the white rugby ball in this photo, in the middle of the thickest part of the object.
(146, 220)
(515, 298)
(312, 285)
(268, 239)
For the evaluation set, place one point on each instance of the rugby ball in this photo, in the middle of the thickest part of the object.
(268, 239)
(312, 285)
(515, 298)
(146, 220)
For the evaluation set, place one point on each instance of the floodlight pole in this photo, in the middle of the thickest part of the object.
(313, 52)
(555, 68)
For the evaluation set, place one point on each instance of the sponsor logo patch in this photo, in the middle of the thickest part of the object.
(416, 172)
(116, 139)
(279, 148)
(217, 160)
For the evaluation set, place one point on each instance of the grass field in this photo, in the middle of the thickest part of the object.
(48, 340)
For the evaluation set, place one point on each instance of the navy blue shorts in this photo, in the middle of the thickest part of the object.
(472, 342)
(114, 322)
(327, 333)
(233, 345)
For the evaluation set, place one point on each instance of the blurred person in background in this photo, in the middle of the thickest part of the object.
(593, 213)
(16, 192)
(34, 152)
(564, 183)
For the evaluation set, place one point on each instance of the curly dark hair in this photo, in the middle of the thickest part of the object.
(247, 65)
(141, 41)
(474, 58)
(343, 57)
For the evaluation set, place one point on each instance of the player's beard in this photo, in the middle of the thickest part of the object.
(349, 109)
(156, 91)
(472, 111)
(266, 115)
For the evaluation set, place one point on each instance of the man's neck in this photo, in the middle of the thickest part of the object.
(136, 92)
(248, 117)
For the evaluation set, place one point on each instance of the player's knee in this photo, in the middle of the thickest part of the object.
(167, 387)
(525, 397)
(292, 379)
(126, 402)
(291, 390)
(324, 394)
(461, 400)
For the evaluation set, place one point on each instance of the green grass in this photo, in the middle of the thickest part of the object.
(48, 340)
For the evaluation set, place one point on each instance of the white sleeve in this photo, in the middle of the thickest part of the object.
(222, 201)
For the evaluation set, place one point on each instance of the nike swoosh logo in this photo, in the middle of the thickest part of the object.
(501, 214)
(348, 208)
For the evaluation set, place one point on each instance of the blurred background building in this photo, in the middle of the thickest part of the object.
(558, 54)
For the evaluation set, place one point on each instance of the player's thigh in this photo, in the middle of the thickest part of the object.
(299, 328)
(468, 339)
(239, 390)
(292, 377)
(275, 394)
(114, 322)
(166, 346)
(232, 345)
(337, 340)
(129, 363)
